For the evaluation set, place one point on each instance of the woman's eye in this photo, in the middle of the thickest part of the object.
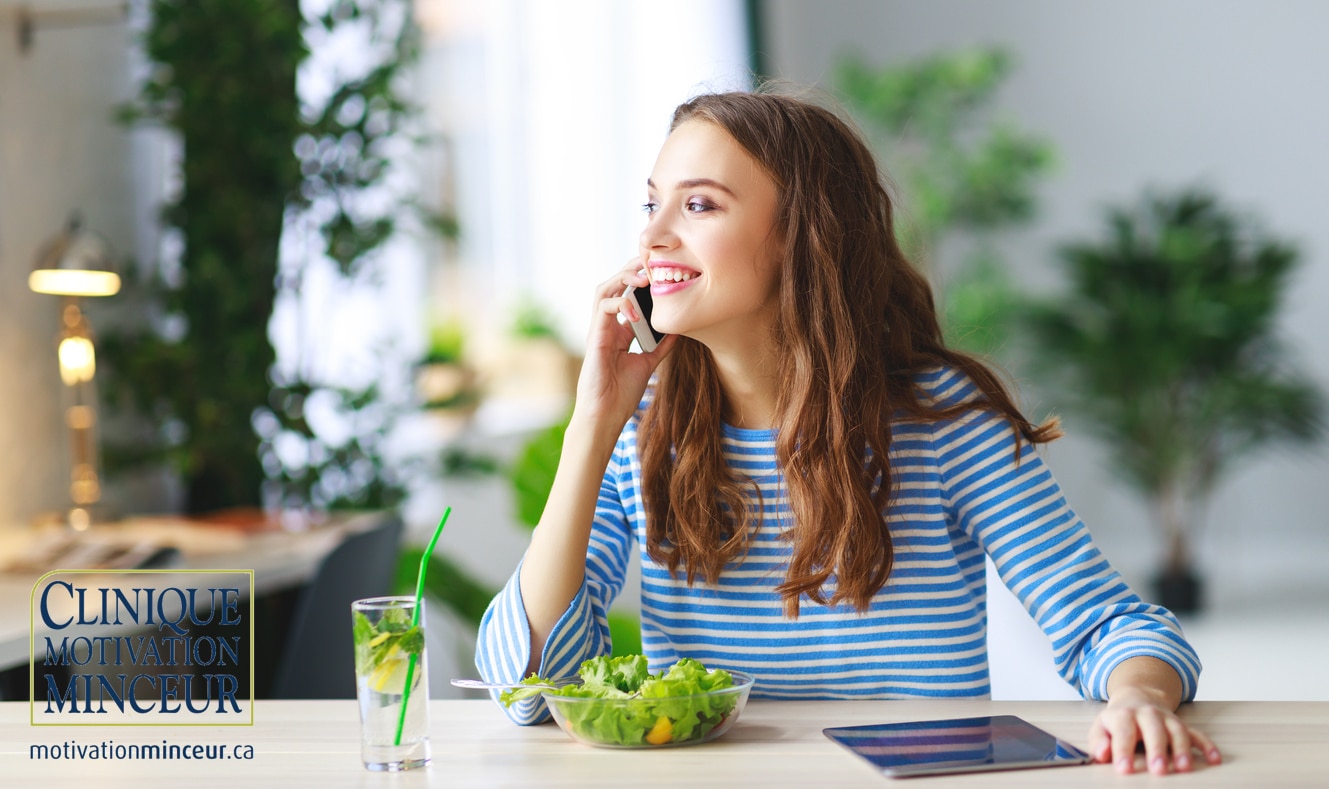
(650, 208)
(699, 206)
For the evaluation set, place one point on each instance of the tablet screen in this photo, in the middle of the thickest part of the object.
(999, 742)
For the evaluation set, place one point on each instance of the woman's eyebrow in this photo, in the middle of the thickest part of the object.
(693, 183)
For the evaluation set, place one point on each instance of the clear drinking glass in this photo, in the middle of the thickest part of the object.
(394, 730)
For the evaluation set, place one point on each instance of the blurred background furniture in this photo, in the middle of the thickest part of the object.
(287, 561)
(318, 661)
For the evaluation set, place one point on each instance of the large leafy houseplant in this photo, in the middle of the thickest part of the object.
(260, 162)
(964, 176)
(1165, 345)
(267, 166)
(224, 80)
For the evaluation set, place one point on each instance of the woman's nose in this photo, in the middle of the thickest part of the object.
(658, 233)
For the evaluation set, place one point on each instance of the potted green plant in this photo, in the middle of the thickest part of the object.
(532, 362)
(1164, 344)
(443, 379)
(965, 175)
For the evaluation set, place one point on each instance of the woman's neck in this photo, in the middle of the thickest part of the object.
(749, 381)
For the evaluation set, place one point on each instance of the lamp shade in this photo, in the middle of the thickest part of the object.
(75, 263)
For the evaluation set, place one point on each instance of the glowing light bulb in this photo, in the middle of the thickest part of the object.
(78, 361)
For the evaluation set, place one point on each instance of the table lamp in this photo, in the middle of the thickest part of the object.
(73, 265)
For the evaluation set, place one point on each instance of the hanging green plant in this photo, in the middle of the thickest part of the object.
(353, 129)
(260, 161)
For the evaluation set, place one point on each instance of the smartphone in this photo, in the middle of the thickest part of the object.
(647, 336)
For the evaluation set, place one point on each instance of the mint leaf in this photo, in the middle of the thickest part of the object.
(361, 633)
(395, 620)
(412, 642)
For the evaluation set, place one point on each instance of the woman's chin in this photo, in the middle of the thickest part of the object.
(668, 325)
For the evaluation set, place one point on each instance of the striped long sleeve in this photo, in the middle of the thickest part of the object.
(964, 487)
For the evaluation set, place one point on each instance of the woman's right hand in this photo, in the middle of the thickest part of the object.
(612, 378)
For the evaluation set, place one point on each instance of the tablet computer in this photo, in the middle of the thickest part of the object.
(957, 745)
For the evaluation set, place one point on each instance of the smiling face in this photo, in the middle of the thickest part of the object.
(710, 243)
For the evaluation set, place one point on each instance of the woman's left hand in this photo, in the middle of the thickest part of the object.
(1136, 715)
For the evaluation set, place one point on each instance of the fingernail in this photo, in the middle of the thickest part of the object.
(1158, 765)
(1124, 764)
(1215, 756)
(1183, 762)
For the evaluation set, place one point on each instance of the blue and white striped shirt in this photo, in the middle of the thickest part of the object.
(959, 492)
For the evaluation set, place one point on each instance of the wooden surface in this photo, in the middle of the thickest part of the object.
(774, 744)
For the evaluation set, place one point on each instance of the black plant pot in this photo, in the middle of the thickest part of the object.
(1179, 590)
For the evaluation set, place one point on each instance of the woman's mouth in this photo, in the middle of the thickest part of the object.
(667, 279)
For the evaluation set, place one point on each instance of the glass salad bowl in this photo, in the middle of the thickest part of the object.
(649, 721)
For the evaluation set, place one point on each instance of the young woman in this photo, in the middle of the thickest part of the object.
(808, 476)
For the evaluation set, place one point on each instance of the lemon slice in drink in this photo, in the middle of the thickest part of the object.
(389, 676)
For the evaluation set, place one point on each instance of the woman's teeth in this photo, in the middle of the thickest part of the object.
(672, 275)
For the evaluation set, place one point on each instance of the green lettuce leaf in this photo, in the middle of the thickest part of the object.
(513, 695)
(625, 673)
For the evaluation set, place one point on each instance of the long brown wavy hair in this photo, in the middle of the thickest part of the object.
(856, 323)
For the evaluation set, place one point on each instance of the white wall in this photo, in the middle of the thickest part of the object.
(554, 113)
(1134, 94)
(60, 151)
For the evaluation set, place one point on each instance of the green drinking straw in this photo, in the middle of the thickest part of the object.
(415, 621)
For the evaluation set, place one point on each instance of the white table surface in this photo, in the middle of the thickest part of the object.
(774, 744)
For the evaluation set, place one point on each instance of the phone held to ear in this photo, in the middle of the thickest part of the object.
(647, 337)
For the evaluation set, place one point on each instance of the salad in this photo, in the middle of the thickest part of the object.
(642, 708)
